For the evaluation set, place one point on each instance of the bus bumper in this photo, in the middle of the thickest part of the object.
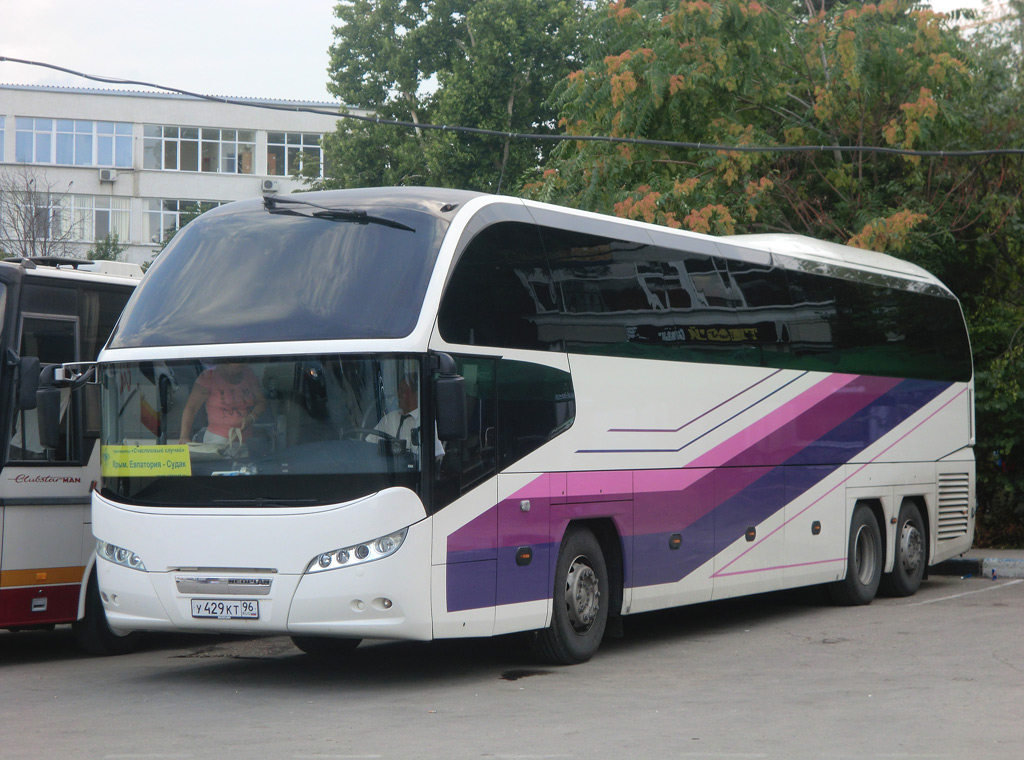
(386, 598)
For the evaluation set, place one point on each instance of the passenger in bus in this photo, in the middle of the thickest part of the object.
(234, 401)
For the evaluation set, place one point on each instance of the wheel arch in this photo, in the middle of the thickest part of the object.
(90, 567)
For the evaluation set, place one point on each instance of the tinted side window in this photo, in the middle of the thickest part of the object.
(624, 298)
(846, 326)
(535, 404)
(500, 293)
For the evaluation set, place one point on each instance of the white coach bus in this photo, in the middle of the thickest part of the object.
(53, 311)
(417, 413)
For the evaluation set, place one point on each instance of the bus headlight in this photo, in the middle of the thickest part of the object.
(357, 554)
(119, 555)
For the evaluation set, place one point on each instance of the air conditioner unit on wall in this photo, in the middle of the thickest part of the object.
(271, 186)
(108, 175)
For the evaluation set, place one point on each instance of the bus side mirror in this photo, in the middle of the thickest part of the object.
(450, 401)
(48, 408)
(92, 394)
(28, 381)
(450, 394)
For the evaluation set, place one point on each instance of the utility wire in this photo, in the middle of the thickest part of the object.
(530, 135)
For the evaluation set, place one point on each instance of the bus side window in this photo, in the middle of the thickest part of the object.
(535, 404)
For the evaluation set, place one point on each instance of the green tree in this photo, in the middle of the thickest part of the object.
(737, 72)
(107, 249)
(996, 307)
(484, 63)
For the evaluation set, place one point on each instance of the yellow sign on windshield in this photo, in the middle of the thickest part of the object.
(145, 461)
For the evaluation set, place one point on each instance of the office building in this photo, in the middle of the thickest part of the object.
(78, 165)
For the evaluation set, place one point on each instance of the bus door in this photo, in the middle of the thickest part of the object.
(45, 501)
(46, 538)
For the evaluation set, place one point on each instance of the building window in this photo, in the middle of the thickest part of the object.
(193, 149)
(65, 217)
(73, 142)
(114, 144)
(33, 141)
(90, 218)
(166, 216)
(2, 118)
(288, 151)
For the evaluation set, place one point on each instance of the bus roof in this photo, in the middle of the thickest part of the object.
(803, 247)
(77, 269)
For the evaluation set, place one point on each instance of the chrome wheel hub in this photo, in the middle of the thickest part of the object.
(582, 595)
(864, 556)
(911, 548)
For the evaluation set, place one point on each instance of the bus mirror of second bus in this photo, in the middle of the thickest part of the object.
(28, 381)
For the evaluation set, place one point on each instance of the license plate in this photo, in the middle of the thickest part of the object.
(225, 609)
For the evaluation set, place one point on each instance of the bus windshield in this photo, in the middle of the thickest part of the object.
(261, 432)
(258, 275)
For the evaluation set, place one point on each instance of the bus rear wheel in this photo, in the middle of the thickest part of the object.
(580, 602)
(863, 561)
(908, 564)
(325, 646)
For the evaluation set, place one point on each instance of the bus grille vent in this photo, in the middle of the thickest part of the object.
(954, 504)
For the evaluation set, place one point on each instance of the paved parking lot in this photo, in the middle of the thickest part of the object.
(939, 675)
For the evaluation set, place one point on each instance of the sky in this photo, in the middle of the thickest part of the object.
(239, 48)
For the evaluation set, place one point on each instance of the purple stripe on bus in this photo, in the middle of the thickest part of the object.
(770, 489)
(704, 503)
(470, 585)
(476, 540)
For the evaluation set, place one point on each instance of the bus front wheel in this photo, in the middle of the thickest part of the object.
(864, 561)
(94, 634)
(580, 602)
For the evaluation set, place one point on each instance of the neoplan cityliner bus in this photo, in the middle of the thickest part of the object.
(53, 311)
(589, 417)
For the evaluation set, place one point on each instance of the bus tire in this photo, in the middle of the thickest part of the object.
(325, 646)
(94, 635)
(863, 561)
(580, 602)
(911, 554)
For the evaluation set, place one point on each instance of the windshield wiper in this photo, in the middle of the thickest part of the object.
(270, 203)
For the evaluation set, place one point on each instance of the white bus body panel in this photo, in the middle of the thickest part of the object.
(274, 544)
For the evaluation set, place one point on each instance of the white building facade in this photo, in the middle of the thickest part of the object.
(98, 163)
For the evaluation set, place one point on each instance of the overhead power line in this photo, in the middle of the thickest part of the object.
(530, 135)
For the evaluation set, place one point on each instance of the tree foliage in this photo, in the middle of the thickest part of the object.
(107, 249)
(487, 63)
(891, 74)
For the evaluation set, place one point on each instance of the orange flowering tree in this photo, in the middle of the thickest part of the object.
(746, 73)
